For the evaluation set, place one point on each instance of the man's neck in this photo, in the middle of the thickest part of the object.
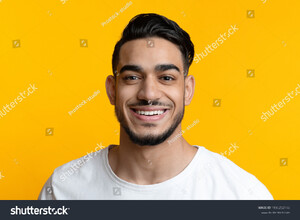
(146, 165)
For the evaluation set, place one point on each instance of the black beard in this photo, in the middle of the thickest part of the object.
(149, 140)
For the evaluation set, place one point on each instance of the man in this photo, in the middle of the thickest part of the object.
(150, 89)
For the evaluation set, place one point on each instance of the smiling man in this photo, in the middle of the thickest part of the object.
(150, 88)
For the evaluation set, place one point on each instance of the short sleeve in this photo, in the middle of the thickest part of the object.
(47, 191)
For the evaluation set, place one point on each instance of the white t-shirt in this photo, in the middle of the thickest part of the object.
(208, 176)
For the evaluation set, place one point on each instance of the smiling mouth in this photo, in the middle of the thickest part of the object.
(150, 113)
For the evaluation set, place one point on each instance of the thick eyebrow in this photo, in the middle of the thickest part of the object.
(158, 68)
(165, 67)
(133, 68)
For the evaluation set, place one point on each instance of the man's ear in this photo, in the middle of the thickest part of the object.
(110, 85)
(189, 89)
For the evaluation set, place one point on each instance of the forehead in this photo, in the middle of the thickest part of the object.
(149, 52)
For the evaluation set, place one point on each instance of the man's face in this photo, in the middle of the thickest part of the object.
(149, 69)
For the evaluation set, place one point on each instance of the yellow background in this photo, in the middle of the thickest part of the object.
(50, 57)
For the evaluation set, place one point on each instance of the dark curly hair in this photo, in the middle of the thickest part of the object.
(154, 25)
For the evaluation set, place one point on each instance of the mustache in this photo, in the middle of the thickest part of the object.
(152, 103)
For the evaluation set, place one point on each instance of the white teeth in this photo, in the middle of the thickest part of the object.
(159, 112)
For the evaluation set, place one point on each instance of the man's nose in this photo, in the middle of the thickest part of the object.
(150, 89)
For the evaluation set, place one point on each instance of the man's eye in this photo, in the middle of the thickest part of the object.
(167, 78)
(130, 77)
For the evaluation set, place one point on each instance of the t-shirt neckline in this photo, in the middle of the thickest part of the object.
(133, 186)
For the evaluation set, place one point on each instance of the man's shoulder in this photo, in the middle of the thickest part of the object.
(78, 167)
(82, 173)
(220, 168)
(214, 161)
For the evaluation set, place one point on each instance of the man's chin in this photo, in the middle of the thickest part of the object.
(155, 135)
(148, 139)
(146, 130)
(150, 136)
